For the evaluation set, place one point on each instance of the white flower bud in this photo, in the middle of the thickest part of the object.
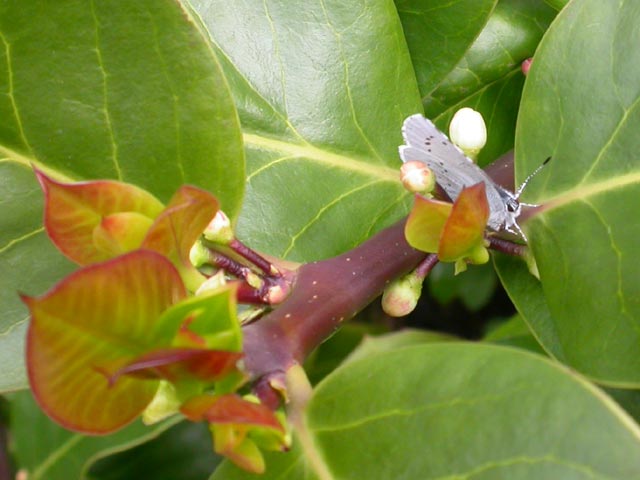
(417, 177)
(468, 131)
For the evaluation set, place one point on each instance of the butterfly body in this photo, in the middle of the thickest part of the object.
(454, 171)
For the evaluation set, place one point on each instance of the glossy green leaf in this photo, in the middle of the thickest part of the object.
(439, 33)
(509, 37)
(47, 451)
(412, 407)
(123, 90)
(98, 318)
(322, 90)
(526, 294)
(488, 78)
(580, 105)
(408, 337)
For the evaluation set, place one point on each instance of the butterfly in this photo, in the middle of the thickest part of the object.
(454, 171)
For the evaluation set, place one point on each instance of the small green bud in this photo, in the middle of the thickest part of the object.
(198, 255)
(401, 296)
(212, 283)
(219, 229)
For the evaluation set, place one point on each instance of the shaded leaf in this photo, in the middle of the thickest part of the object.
(102, 314)
(488, 78)
(49, 452)
(439, 33)
(182, 452)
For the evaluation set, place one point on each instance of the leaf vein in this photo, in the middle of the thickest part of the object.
(11, 94)
(15, 241)
(105, 97)
(321, 212)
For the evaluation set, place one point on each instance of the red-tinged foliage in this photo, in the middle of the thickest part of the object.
(175, 364)
(464, 230)
(75, 213)
(181, 223)
(451, 231)
(425, 223)
(230, 408)
(104, 314)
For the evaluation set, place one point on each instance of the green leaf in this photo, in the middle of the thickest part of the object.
(526, 294)
(322, 89)
(413, 406)
(488, 78)
(124, 90)
(509, 37)
(439, 33)
(372, 346)
(94, 321)
(514, 332)
(585, 238)
(49, 452)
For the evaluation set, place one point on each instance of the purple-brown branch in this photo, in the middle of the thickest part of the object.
(327, 293)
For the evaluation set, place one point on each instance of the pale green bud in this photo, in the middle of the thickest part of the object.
(401, 296)
(219, 229)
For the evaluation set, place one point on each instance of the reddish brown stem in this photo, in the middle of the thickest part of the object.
(325, 295)
(426, 265)
(255, 258)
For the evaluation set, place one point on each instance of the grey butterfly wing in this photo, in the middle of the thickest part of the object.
(453, 170)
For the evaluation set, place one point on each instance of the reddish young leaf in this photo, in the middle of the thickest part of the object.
(464, 229)
(425, 223)
(181, 223)
(240, 428)
(174, 364)
(73, 212)
(230, 408)
(104, 314)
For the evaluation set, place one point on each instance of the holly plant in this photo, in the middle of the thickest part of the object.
(203, 202)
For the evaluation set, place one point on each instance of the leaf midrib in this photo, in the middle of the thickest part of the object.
(325, 157)
(590, 190)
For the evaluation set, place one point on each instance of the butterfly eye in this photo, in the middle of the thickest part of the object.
(512, 206)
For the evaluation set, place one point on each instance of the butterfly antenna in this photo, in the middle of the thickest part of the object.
(528, 179)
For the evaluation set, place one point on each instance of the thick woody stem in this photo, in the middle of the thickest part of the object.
(326, 294)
